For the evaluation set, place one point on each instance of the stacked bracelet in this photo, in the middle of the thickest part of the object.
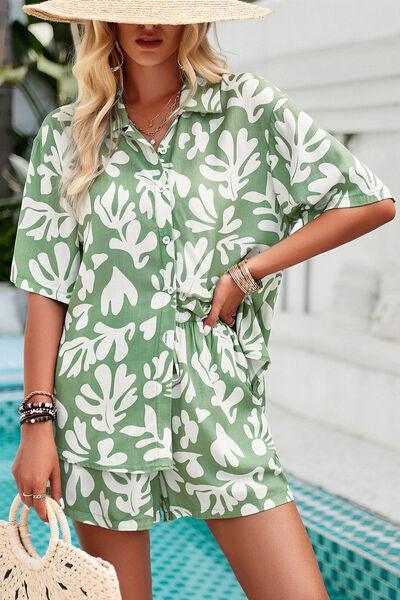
(37, 411)
(243, 278)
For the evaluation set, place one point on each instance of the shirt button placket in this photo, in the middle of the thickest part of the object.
(167, 250)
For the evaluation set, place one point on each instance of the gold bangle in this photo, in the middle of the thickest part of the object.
(245, 268)
(38, 392)
(237, 275)
(240, 279)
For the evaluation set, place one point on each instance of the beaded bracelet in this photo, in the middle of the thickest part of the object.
(37, 411)
(40, 417)
(38, 392)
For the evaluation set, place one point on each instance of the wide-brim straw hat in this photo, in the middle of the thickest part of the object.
(164, 12)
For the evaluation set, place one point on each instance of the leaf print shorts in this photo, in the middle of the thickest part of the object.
(225, 463)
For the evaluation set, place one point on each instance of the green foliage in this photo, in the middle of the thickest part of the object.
(42, 54)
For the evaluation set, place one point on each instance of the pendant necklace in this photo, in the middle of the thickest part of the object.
(175, 98)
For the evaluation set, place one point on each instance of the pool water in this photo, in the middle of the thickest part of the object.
(357, 551)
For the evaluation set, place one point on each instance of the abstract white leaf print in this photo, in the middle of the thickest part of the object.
(253, 103)
(193, 265)
(227, 403)
(116, 394)
(232, 359)
(241, 481)
(199, 140)
(161, 282)
(99, 510)
(157, 376)
(193, 467)
(111, 163)
(285, 199)
(152, 202)
(268, 206)
(148, 436)
(249, 335)
(62, 413)
(76, 440)
(99, 259)
(105, 448)
(57, 162)
(202, 414)
(228, 495)
(274, 466)
(241, 161)
(367, 181)
(204, 209)
(149, 328)
(45, 223)
(325, 186)
(114, 293)
(80, 353)
(133, 490)
(116, 212)
(80, 313)
(173, 479)
(223, 223)
(179, 184)
(205, 366)
(224, 449)
(86, 277)
(58, 276)
(190, 429)
(228, 241)
(258, 432)
(77, 476)
(293, 146)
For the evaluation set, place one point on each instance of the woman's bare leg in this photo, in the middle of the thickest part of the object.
(128, 551)
(271, 554)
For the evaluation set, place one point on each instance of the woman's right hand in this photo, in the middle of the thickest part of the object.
(36, 462)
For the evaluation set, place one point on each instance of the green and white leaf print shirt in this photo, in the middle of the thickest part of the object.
(238, 167)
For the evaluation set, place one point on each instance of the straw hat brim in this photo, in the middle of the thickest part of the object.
(165, 12)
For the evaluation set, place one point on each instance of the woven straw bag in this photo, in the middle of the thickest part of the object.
(64, 572)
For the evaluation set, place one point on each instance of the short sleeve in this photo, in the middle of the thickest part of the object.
(312, 171)
(46, 254)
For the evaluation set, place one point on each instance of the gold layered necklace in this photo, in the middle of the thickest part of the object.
(174, 102)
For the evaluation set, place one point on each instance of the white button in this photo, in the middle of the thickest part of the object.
(166, 239)
(162, 150)
(170, 290)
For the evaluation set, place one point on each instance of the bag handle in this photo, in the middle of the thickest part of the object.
(55, 515)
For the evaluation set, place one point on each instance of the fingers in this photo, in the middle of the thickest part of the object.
(55, 485)
(218, 314)
(224, 304)
(39, 504)
(211, 319)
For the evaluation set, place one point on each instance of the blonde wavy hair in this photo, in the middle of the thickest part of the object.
(96, 54)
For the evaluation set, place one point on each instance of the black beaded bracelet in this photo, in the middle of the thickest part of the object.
(41, 417)
(28, 405)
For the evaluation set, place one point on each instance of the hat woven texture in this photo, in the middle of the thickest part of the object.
(173, 12)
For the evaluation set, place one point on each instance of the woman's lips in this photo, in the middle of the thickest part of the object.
(149, 44)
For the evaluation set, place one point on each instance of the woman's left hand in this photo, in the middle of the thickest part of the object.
(226, 299)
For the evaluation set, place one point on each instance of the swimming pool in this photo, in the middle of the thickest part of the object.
(357, 551)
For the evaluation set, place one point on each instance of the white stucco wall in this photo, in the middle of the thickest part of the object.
(339, 60)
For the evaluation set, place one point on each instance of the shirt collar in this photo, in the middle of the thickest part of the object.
(207, 99)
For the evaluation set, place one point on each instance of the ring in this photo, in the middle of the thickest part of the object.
(25, 494)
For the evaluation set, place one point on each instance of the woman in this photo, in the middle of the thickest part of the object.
(144, 318)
